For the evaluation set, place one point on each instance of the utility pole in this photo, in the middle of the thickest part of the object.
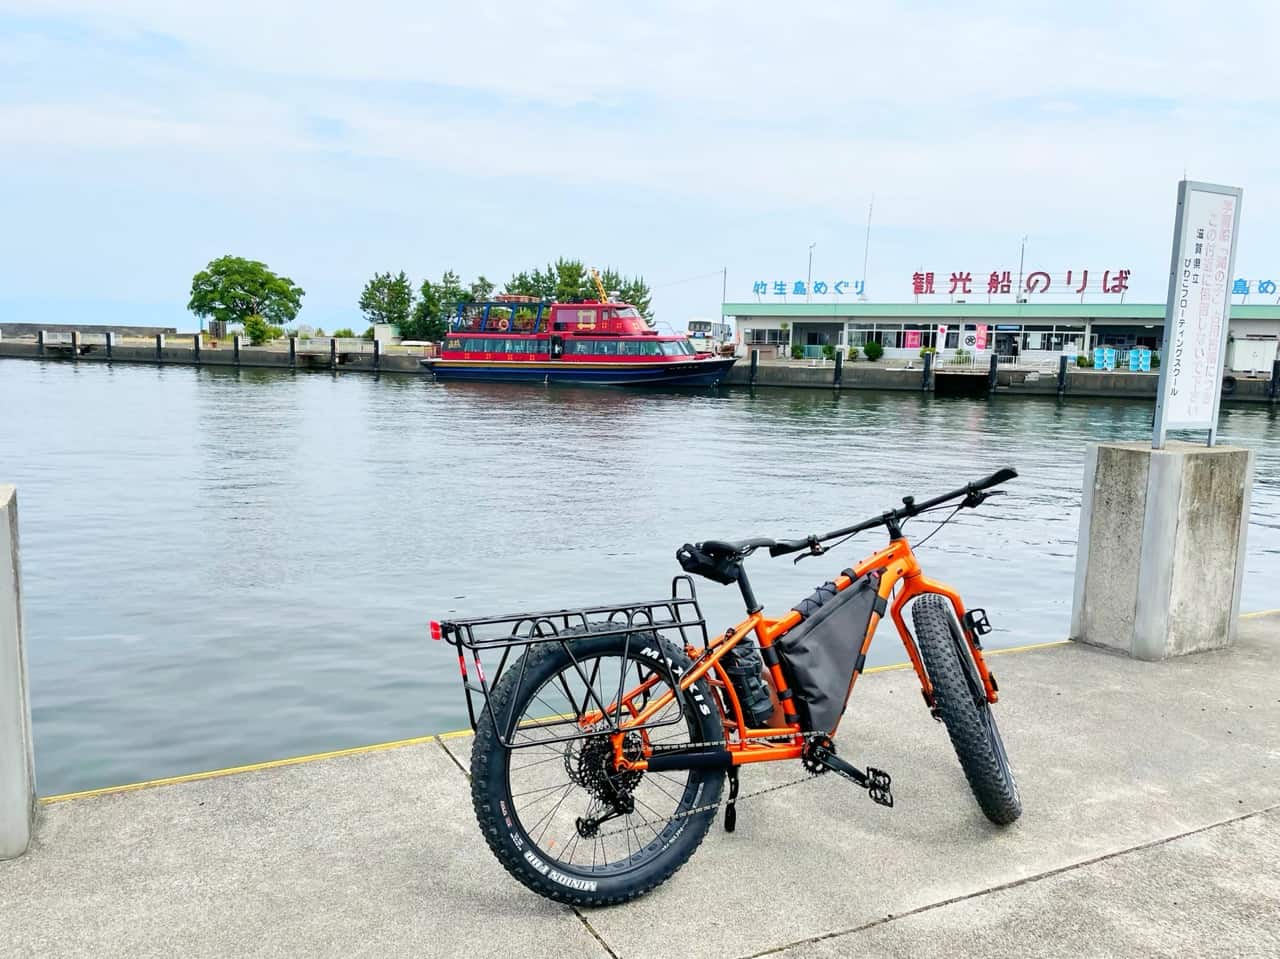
(866, 246)
(724, 282)
(1022, 258)
(809, 279)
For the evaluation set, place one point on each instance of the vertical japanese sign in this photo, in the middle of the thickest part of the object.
(1198, 309)
(911, 339)
(982, 336)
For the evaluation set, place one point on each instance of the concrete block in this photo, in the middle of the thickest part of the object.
(17, 762)
(1160, 557)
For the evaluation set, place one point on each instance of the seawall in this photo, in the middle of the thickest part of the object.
(180, 349)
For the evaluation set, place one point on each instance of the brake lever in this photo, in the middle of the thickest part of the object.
(978, 497)
(815, 549)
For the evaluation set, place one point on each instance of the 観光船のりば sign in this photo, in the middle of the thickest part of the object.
(1195, 329)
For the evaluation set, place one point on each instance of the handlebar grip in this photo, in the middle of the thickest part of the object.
(783, 547)
(995, 479)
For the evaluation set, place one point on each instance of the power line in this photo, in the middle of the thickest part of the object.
(689, 279)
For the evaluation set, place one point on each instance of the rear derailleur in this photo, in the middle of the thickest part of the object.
(820, 755)
(590, 766)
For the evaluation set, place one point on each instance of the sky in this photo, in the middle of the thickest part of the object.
(139, 139)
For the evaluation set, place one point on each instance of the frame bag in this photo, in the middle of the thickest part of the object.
(821, 654)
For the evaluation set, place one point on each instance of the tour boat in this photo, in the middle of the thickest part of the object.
(601, 343)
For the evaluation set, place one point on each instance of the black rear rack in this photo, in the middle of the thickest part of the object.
(677, 617)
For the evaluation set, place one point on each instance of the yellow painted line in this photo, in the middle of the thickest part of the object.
(378, 747)
(1027, 648)
(1260, 613)
(985, 652)
(252, 767)
(399, 743)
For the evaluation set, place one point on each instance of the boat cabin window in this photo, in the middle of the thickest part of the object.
(492, 344)
(584, 319)
(676, 348)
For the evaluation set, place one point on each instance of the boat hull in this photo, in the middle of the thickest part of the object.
(677, 373)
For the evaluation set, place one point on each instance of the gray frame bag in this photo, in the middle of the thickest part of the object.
(820, 655)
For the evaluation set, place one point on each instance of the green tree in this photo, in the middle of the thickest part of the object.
(430, 318)
(387, 299)
(481, 289)
(232, 289)
(451, 292)
(572, 282)
(535, 283)
(260, 331)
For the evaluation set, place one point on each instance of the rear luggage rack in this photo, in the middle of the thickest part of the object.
(677, 617)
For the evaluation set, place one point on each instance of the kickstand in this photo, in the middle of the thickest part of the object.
(731, 809)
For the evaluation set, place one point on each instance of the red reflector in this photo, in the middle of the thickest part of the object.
(435, 629)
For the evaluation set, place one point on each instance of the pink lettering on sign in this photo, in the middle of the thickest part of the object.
(911, 339)
(982, 336)
(1001, 282)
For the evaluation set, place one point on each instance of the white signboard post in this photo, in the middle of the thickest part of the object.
(1198, 311)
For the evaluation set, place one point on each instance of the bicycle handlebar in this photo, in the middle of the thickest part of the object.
(972, 492)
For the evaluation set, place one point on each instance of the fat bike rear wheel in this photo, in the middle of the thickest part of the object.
(555, 813)
(961, 702)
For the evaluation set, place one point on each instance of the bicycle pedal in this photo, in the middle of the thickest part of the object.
(879, 787)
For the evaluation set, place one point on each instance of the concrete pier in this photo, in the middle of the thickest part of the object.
(1152, 828)
(17, 768)
(1161, 552)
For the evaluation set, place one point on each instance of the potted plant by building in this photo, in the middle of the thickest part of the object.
(873, 350)
(853, 353)
(797, 351)
(828, 352)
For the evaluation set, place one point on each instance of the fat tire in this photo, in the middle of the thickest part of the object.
(490, 786)
(941, 646)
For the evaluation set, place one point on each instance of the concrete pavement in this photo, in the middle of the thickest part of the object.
(1152, 828)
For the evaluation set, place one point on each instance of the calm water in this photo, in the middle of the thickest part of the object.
(223, 568)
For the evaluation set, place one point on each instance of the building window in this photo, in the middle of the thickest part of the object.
(770, 337)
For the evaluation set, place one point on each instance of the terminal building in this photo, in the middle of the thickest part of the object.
(1025, 333)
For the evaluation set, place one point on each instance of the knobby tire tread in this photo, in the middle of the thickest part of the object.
(992, 782)
(485, 791)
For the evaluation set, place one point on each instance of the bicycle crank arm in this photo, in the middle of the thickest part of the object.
(876, 782)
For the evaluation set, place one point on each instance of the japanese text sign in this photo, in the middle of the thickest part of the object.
(838, 288)
(1199, 302)
(1003, 282)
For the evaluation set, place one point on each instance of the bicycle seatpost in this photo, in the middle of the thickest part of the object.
(748, 594)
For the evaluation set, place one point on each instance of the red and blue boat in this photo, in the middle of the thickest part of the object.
(598, 343)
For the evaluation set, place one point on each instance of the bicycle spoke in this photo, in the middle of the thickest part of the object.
(564, 769)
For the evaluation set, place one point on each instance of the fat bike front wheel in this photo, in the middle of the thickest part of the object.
(555, 813)
(961, 702)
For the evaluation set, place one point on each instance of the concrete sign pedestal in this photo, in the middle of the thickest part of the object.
(1161, 552)
(17, 765)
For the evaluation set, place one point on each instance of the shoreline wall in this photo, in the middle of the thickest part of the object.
(855, 376)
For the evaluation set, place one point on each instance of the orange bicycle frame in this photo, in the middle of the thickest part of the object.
(897, 566)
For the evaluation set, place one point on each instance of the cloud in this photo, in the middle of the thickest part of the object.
(965, 123)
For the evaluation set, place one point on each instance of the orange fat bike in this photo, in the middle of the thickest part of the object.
(605, 735)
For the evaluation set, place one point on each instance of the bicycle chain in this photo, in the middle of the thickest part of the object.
(695, 810)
